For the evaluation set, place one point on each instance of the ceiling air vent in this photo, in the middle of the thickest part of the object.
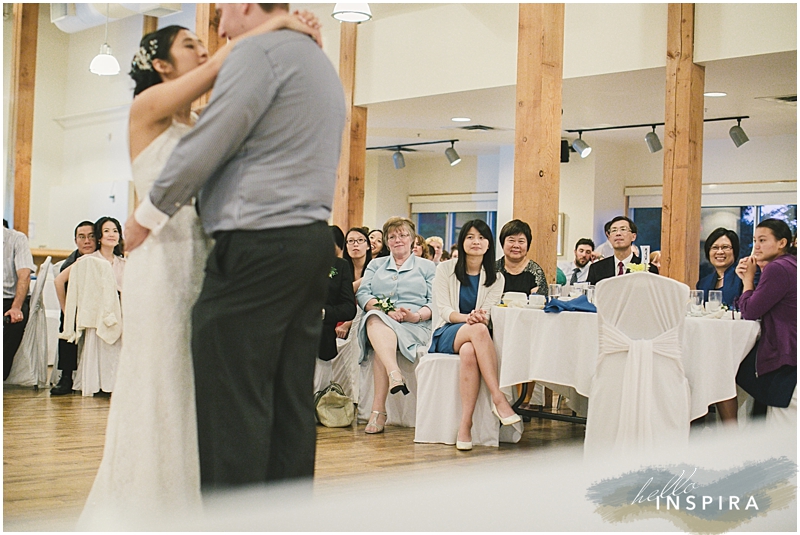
(786, 99)
(482, 127)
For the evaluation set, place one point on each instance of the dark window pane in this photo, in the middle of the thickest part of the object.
(460, 218)
(648, 227)
(784, 212)
(432, 225)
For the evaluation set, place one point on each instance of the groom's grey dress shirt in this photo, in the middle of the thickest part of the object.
(265, 151)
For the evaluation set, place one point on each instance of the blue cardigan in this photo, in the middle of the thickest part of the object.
(731, 285)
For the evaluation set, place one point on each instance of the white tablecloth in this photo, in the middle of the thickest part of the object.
(562, 349)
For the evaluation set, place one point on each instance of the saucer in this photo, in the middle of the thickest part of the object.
(534, 307)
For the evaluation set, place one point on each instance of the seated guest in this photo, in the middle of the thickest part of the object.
(357, 254)
(454, 251)
(67, 351)
(438, 245)
(769, 372)
(110, 247)
(621, 233)
(655, 259)
(338, 239)
(421, 248)
(722, 250)
(466, 289)
(604, 250)
(396, 294)
(561, 279)
(376, 244)
(578, 270)
(340, 306)
(520, 274)
(17, 268)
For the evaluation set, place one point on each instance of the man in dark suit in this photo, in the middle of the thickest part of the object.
(68, 352)
(621, 234)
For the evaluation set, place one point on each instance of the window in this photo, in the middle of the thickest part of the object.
(447, 225)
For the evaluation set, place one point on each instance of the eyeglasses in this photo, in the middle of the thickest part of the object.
(721, 248)
(359, 241)
(84, 237)
(395, 237)
(621, 230)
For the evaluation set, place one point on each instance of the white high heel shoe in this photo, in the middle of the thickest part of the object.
(508, 420)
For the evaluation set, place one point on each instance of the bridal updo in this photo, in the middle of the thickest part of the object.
(155, 45)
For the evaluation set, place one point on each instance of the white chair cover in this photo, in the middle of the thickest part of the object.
(52, 311)
(400, 410)
(784, 419)
(439, 404)
(30, 361)
(639, 397)
(343, 368)
(97, 364)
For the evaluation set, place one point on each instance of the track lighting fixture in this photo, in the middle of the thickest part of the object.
(399, 161)
(351, 12)
(104, 64)
(653, 143)
(581, 147)
(651, 138)
(452, 155)
(737, 134)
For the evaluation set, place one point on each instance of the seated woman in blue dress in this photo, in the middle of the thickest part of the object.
(722, 251)
(466, 289)
(395, 293)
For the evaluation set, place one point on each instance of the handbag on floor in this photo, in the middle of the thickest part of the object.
(333, 407)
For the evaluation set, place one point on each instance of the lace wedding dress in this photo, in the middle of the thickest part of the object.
(150, 468)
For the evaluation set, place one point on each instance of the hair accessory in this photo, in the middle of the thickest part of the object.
(143, 59)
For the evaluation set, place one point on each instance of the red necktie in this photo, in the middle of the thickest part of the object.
(621, 269)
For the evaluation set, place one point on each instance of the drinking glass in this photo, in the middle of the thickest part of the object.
(590, 293)
(695, 303)
(714, 300)
(554, 291)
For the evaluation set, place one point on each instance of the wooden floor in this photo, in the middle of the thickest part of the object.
(52, 448)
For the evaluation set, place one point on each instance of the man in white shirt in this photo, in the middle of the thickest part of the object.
(17, 268)
(578, 270)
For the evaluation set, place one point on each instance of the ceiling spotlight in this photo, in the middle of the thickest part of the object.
(399, 161)
(104, 64)
(737, 134)
(351, 12)
(461, 119)
(452, 155)
(653, 143)
(715, 94)
(581, 147)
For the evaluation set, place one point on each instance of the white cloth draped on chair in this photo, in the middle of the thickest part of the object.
(93, 317)
(639, 397)
(30, 361)
(400, 410)
(439, 406)
(343, 368)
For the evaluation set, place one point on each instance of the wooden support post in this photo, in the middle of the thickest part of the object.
(206, 28)
(149, 24)
(358, 164)
(537, 145)
(347, 74)
(683, 150)
(23, 83)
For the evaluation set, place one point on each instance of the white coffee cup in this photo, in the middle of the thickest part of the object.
(537, 300)
(518, 299)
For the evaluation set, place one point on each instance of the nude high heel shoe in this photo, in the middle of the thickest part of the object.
(397, 385)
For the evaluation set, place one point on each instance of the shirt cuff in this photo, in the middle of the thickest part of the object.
(150, 217)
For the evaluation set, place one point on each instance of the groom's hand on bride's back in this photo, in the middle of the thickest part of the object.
(134, 234)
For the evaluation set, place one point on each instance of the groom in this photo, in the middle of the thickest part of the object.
(263, 158)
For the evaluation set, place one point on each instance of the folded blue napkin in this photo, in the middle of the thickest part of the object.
(579, 304)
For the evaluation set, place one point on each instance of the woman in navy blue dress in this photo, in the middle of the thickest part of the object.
(466, 289)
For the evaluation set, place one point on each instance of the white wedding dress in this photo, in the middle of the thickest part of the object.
(150, 470)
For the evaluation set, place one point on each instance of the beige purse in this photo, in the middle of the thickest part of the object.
(333, 407)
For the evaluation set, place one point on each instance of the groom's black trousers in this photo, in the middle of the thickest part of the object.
(255, 335)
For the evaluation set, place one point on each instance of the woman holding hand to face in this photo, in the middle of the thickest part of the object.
(769, 372)
(466, 289)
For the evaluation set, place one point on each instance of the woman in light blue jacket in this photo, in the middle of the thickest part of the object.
(466, 289)
(396, 294)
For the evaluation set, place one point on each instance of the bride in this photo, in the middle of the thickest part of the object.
(150, 468)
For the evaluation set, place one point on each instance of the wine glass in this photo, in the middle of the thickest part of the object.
(695, 303)
(554, 291)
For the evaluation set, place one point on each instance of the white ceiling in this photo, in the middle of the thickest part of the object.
(634, 97)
